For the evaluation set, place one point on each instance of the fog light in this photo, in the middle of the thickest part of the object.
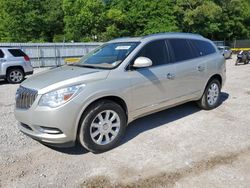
(49, 130)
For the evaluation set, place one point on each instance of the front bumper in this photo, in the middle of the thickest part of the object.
(64, 118)
(46, 138)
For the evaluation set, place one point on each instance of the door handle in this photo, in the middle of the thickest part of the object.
(200, 68)
(170, 76)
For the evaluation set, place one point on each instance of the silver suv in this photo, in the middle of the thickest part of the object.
(92, 101)
(225, 51)
(14, 65)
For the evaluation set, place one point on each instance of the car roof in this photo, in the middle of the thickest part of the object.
(6, 48)
(157, 36)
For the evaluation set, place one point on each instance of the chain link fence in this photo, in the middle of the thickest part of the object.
(52, 54)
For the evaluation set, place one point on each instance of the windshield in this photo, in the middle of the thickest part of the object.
(108, 55)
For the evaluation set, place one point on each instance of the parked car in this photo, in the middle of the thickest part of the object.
(92, 101)
(225, 51)
(14, 65)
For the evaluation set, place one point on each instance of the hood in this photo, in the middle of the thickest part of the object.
(62, 77)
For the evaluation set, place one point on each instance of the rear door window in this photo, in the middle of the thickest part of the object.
(181, 50)
(156, 51)
(17, 52)
(204, 47)
(1, 54)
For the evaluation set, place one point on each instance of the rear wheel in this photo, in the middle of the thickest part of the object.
(211, 95)
(15, 76)
(102, 126)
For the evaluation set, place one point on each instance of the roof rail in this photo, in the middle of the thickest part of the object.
(171, 33)
(121, 38)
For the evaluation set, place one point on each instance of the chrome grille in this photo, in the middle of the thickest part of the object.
(25, 97)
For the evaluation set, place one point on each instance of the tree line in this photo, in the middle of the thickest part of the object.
(102, 20)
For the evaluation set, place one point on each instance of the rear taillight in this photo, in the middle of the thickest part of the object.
(26, 58)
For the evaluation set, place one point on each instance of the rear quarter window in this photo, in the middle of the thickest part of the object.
(17, 52)
(1, 54)
(203, 47)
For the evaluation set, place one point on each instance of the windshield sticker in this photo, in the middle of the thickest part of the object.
(122, 47)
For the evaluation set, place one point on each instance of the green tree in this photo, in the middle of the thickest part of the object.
(102, 20)
(83, 19)
(30, 20)
(53, 21)
(199, 16)
(145, 16)
(116, 24)
(20, 20)
(134, 18)
(161, 18)
(235, 19)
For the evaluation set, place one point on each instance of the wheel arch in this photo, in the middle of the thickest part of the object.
(14, 67)
(201, 102)
(113, 98)
(215, 76)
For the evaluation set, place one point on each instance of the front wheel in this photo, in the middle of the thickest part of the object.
(102, 126)
(211, 95)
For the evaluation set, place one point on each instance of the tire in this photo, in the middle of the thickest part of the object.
(91, 124)
(237, 62)
(15, 75)
(209, 103)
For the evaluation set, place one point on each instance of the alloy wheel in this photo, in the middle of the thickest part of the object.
(16, 76)
(213, 94)
(105, 127)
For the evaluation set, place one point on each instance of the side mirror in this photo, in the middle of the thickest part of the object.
(141, 62)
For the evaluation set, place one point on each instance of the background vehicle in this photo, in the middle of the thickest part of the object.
(92, 101)
(14, 65)
(225, 51)
(243, 57)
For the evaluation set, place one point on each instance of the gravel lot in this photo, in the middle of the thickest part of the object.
(179, 147)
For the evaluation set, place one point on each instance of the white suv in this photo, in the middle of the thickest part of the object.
(14, 65)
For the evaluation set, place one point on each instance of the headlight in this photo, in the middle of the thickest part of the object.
(58, 97)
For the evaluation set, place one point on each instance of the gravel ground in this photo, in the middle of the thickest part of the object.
(179, 147)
